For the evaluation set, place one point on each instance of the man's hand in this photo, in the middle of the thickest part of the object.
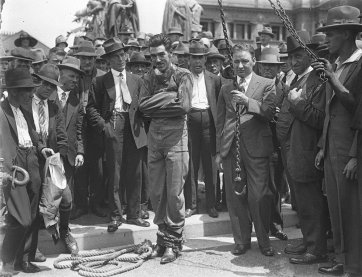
(47, 152)
(239, 97)
(79, 160)
(351, 169)
(294, 95)
(218, 162)
(318, 163)
(323, 65)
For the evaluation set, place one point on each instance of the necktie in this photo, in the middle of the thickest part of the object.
(125, 95)
(241, 85)
(42, 121)
(284, 80)
(63, 99)
(294, 81)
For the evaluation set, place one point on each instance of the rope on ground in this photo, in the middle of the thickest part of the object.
(104, 263)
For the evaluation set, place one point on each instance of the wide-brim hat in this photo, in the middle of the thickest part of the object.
(267, 31)
(270, 55)
(25, 35)
(100, 52)
(39, 56)
(283, 50)
(342, 17)
(175, 31)
(22, 54)
(132, 42)
(208, 35)
(138, 58)
(86, 48)
(197, 48)
(112, 45)
(49, 73)
(6, 58)
(71, 63)
(214, 53)
(18, 78)
(61, 39)
(125, 30)
(220, 43)
(89, 36)
(293, 45)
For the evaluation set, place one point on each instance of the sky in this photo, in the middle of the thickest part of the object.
(46, 19)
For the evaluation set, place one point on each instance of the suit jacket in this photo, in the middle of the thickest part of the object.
(254, 123)
(213, 86)
(305, 130)
(341, 109)
(73, 125)
(101, 105)
(8, 151)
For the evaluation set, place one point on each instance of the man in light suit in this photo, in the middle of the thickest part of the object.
(201, 126)
(256, 96)
(112, 112)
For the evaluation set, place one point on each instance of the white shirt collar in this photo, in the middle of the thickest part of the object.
(309, 69)
(353, 58)
(37, 100)
(247, 78)
(116, 73)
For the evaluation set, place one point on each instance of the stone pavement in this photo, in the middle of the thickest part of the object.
(209, 257)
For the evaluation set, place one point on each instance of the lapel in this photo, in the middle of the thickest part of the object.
(72, 103)
(350, 71)
(131, 85)
(209, 86)
(109, 84)
(10, 116)
(51, 108)
(253, 85)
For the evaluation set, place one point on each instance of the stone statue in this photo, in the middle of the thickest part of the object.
(120, 13)
(184, 14)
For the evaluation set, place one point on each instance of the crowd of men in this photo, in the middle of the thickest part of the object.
(135, 118)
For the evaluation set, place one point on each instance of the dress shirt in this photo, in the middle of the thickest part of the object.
(60, 96)
(342, 66)
(120, 95)
(35, 108)
(199, 93)
(246, 82)
(290, 76)
(22, 128)
(308, 70)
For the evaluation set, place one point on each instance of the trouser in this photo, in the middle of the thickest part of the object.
(344, 209)
(312, 211)
(145, 186)
(256, 207)
(190, 186)
(124, 166)
(275, 182)
(167, 173)
(23, 208)
(202, 138)
(283, 151)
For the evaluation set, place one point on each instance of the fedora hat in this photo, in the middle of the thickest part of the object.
(100, 52)
(175, 31)
(182, 49)
(342, 17)
(77, 40)
(4, 56)
(283, 50)
(39, 56)
(126, 30)
(18, 78)
(25, 35)
(112, 45)
(89, 36)
(293, 45)
(207, 34)
(138, 58)
(49, 73)
(61, 39)
(267, 30)
(270, 55)
(86, 48)
(197, 48)
(146, 52)
(141, 35)
(72, 63)
(132, 42)
(22, 54)
(214, 53)
(221, 43)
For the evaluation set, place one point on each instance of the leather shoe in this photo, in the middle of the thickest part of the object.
(157, 251)
(27, 267)
(168, 256)
(240, 249)
(39, 257)
(299, 249)
(213, 213)
(268, 251)
(77, 213)
(69, 241)
(335, 269)
(308, 258)
(190, 212)
(113, 226)
(280, 235)
(96, 209)
(139, 222)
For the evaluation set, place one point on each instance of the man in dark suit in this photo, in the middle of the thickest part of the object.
(112, 112)
(338, 143)
(303, 108)
(201, 126)
(19, 145)
(49, 124)
(265, 35)
(256, 96)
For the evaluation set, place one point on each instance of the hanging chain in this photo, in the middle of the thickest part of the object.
(289, 26)
(238, 113)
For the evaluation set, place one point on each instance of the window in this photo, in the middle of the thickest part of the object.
(243, 31)
(208, 26)
(231, 30)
